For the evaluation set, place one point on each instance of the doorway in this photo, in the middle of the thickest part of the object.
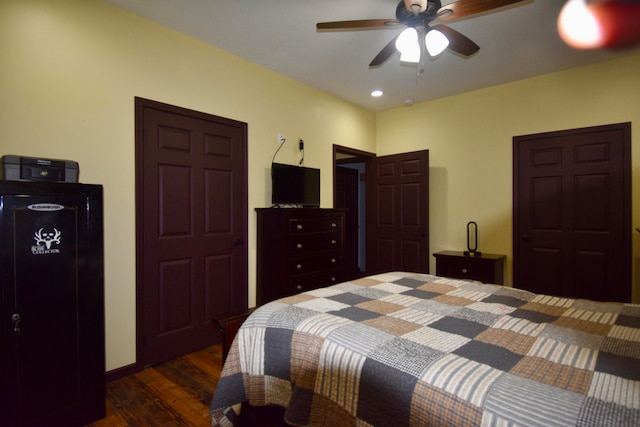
(572, 213)
(393, 213)
(191, 215)
(349, 191)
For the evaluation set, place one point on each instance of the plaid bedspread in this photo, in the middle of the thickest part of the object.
(405, 349)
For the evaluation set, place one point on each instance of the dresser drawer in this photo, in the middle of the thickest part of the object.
(313, 281)
(461, 269)
(315, 225)
(315, 263)
(315, 243)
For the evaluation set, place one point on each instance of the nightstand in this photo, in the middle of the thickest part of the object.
(488, 268)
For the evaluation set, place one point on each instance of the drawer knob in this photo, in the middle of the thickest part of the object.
(299, 246)
(333, 279)
(299, 287)
(299, 266)
(334, 225)
(333, 242)
(333, 260)
(299, 226)
(464, 271)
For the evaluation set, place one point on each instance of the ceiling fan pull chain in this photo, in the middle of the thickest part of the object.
(423, 48)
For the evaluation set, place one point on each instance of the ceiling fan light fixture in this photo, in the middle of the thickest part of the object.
(436, 42)
(407, 44)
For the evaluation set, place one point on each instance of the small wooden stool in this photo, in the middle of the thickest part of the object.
(228, 325)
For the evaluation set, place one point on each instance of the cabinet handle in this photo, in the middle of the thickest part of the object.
(299, 246)
(299, 266)
(299, 287)
(464, 271)
(333, 242)
(299, 226)
(334, 225)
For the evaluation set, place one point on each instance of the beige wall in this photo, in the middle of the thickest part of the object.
(470, 139)
(70, 72)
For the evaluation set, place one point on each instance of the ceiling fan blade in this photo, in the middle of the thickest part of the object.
(384, 54)
(362, 24)
(458, 42)
(462, 8)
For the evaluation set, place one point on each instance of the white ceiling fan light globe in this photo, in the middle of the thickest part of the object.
(407, 40)
(411, 57)
(436, 42)
(407, 45)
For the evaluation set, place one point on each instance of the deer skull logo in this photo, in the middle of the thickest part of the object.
(47, 238)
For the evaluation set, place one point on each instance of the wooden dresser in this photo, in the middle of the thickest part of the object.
(298, 249)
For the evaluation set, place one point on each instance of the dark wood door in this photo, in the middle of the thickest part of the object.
(398, 213)
(572, 213)
(193, 218)
(347, 182)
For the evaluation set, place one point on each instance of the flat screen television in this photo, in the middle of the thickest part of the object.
(295, 185)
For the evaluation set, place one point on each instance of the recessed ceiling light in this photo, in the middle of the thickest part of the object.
(376, 93)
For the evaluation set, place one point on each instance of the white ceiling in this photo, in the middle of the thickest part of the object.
(516, 42)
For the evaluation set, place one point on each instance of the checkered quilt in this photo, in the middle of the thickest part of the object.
(405, 349)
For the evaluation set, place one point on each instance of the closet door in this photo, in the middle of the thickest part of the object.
(572, 213)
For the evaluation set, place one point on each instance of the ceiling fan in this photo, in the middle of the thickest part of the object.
(423, 34)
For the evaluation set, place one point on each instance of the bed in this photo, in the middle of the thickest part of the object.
(405, 349)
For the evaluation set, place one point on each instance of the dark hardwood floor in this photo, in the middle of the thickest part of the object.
(173, 393)
(176, 393)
